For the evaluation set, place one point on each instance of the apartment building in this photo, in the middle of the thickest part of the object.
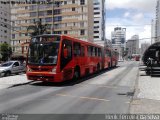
(99, 22)
(132, 45)
(157, 22)
(118, 37)
(70, 17)
(5, 26)
(153, 33)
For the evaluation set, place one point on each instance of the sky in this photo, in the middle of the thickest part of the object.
(134, 15)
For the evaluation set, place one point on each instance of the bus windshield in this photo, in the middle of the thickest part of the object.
(43, 53)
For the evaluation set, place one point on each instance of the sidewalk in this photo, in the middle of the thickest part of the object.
(9, 81)
(147, 96)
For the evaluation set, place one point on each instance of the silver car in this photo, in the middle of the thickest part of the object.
(11, 67)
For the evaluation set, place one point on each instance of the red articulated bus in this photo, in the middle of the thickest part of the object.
(56, 58)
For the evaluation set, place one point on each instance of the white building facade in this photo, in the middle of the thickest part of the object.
(132, 45)
(118, 37)
(5, 26)
(99, 22)
(157, 24)
(153, 31)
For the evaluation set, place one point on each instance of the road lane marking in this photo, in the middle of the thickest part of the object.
(82, 97)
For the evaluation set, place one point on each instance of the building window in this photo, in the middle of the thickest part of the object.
(13, 36)
(73, 9)
(49, 12)
(65, 2)
(65, 32)
(26, 7)
(56, 12)
(41, 13)
(48, 19)
(33, 7)
(56, 26)
(5, 26)
(82, 32)
(33, 14)
(82, 24)
(96, 27)
(96, 36)
(96, 21)
(97, 13)
(58, 18)
(96, 8)
(73, 1)
(96, 31)
(82, 2)
(97, 3)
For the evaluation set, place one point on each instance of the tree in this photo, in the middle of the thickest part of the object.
(37, 29)
(5, 51)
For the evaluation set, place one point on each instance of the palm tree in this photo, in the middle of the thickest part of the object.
(37, 29)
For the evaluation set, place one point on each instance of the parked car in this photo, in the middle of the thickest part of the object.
(11, 67)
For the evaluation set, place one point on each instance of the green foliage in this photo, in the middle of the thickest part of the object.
(38, 28)
(5, 51)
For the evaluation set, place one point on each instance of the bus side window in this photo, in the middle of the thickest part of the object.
(93, 51)
(82, 51)
(89, 51)
(99, 52)
(77, 49)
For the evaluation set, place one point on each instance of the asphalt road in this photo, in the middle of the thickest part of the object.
(108, 92)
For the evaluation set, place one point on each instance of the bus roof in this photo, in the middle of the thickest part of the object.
(66, 36)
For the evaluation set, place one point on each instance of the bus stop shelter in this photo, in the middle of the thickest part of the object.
(152, 54)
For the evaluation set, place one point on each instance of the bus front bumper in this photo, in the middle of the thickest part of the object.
(46, 77)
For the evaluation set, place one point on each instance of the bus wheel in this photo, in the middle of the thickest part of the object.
(76, 74)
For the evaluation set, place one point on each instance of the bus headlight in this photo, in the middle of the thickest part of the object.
(54, 69)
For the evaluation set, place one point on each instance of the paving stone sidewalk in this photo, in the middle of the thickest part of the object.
(147, 96)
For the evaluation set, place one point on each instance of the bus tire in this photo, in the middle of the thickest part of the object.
(76, 74)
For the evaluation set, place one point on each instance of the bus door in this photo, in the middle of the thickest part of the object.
(66, 58)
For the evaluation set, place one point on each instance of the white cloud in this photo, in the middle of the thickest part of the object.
(127, 14)
(138, 17)
(146, 33)
(144, 5)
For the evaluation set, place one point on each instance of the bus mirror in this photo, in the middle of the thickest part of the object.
(65, 53)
